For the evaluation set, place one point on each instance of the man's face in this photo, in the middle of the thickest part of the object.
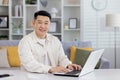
(41, 25)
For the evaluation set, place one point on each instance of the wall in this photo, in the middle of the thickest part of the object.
(94, 29)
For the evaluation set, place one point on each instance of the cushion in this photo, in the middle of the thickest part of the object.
(13, 56)
(3, 58)
(80, 55)
(73, 51)
(66, 45)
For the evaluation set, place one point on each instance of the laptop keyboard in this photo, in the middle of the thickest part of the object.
(74, 72)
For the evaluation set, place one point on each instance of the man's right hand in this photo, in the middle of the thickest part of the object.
(58, 69)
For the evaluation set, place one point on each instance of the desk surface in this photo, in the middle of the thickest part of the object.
(100, 74)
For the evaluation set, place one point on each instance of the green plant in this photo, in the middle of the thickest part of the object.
(19, 25)
(30, 1)
(3, 37)
(27, 1)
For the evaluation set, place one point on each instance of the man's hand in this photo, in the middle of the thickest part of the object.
(58, 69)
(74, 67)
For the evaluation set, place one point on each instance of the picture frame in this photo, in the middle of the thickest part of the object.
(72, 23)
(53, 26)
(3, 21)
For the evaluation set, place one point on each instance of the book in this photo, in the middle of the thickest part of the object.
(18, 11)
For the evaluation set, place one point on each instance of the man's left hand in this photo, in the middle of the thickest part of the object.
(74, 67)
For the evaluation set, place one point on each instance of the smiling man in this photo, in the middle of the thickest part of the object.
(42, 52)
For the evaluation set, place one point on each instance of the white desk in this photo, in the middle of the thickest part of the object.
(100, 74)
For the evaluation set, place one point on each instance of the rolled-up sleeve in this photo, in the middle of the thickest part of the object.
(63, 59)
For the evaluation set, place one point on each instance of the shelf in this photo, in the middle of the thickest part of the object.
(17, 17)
(29, 29)
(15, 34)
(65, 11)
(72, 29)
(56, 17)
(2, 5)
(55, 33)
(71, 5)
(29, 5)
(4, 29)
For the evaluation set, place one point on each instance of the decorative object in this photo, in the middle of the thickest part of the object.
(18, 11)
(44, 3)
(17, 27)
(54, 11)
(113, 20)
(5, 2)
(99, 4)
(3, 21)
(33, 1)
(30, 1)
(66, 27)
(53, 26)
(72, 23)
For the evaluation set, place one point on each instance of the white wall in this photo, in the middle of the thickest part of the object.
(94, 29)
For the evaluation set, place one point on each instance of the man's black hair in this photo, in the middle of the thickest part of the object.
(42, 13)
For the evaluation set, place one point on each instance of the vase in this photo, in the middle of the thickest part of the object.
(18, 31)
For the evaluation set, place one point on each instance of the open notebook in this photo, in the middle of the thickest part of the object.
(88, 67)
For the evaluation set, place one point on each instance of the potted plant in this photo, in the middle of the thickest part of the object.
(27, 1)
(30, 1)
(17, 28)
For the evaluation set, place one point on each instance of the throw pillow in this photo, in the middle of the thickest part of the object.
(3, 58)
(73, 51)
(13, 56)
(81, 57)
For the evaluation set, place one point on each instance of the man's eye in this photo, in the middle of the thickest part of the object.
(39, 22)
(46, 23)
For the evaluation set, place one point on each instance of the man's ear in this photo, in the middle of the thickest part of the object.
(32, 23)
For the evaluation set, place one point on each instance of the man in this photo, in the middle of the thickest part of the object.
(41, 52)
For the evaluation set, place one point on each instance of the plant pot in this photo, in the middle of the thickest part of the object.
(18, 31)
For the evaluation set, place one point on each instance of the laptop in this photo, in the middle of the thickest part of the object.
(87, 68)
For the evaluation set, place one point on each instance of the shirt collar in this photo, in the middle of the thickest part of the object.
(36, 39)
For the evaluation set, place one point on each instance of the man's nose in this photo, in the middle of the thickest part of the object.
(42, 25)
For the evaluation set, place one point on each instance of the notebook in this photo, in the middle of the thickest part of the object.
(88, 67)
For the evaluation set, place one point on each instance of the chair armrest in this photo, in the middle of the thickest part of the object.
(105, 64)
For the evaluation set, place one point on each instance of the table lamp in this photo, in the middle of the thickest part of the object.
(113, 20)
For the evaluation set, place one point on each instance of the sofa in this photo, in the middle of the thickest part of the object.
(105, 64)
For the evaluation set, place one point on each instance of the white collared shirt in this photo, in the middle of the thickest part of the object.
(46, 58)
(37, 57)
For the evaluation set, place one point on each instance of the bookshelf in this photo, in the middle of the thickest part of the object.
(20, 21)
